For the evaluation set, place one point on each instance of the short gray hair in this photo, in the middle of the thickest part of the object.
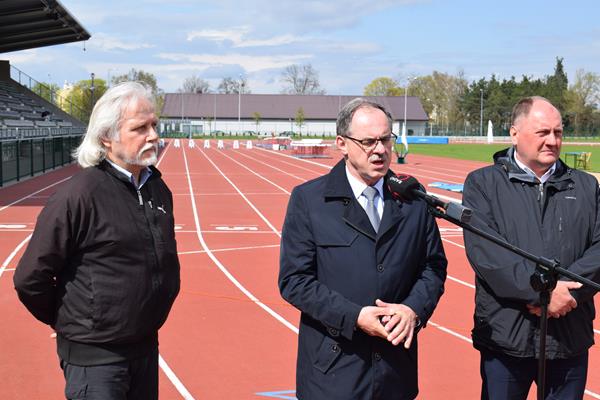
(105, 121)
(344, 119)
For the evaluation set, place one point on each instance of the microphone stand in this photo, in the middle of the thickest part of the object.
(542, 281)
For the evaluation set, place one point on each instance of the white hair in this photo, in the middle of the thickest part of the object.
(105, 120)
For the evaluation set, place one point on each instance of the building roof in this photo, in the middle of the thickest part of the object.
(278, 106)
(26, 24)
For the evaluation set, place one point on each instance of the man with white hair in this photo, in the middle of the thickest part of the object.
(101, 267)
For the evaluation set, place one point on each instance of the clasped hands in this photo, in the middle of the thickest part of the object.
(561, 301)
(394, 322)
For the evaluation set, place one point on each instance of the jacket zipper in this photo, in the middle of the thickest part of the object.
(140, 197)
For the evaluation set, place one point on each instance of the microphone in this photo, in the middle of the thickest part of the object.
(406, 187)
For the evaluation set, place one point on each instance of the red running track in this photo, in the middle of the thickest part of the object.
(230, 335)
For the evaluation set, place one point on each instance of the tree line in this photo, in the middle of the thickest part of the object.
(455, 106)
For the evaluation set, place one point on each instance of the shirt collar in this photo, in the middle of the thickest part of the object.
(359, 186)
(144, 174)
(529, 171)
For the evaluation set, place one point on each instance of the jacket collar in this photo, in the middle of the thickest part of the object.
(506, 160)
(105, 166)
(338, 188)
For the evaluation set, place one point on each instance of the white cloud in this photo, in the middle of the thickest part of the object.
(107, 42)
(237, 36)
(27, 57)
(249, 63)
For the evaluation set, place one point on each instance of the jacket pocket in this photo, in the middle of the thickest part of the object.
(328, 353)
(334, 238)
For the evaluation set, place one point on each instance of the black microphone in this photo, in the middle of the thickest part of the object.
(406, 187)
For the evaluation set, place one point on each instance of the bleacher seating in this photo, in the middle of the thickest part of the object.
(18, 123)
(45, 124)
(24, 114)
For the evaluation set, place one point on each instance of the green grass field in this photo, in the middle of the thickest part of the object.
(484, 152)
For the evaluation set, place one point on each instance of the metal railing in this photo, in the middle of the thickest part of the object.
(47, 93)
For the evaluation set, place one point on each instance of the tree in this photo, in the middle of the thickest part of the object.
(80, 95)
(301, 79)
(229, 85)
(557, 85)
(440, 94)
(300, 119)
(582, 100)
(194, 84)
(383, 86)
(149, 79)
(256, 116)
(47, 91)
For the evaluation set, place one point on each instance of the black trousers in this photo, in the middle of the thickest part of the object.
(126, 380)
(510, 378)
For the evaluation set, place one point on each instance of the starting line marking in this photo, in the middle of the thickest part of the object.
(12, 226)
(236, 228)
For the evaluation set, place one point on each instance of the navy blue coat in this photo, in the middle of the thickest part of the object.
(332, 264)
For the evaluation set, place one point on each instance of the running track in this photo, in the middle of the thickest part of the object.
(230, 335)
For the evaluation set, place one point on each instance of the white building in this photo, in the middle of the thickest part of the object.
(275, 113)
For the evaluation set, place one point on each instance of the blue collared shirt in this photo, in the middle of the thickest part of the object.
(144, 174)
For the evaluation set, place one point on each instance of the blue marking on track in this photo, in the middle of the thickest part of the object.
(283, 394)
(453, 187)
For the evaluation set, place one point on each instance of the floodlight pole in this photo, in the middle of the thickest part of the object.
(240, 86)
(405, 99)
(92, 88)
(481, 112)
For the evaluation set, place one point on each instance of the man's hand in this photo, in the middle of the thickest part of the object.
(369, 320)
(401, 325)
(561, 301)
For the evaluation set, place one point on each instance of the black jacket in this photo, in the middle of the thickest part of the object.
(558, 220)
(101, 268)
(332, 264)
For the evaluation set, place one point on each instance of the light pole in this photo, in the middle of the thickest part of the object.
(92, 88)
(480, 112)
(405, 102)
(108, 76)
(240, 88)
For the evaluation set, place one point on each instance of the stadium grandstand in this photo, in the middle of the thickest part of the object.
(36, 133)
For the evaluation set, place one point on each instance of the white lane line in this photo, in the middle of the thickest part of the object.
(174, 379)
(13, 254)
(179, 386)
(34, 193)
(218, 263)
(295, 158)
(268, 246)
(259, 176)
(295, 165)
(450, 331)
(237, 190)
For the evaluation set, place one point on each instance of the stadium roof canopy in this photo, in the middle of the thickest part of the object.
(279, 106)
(26, 24)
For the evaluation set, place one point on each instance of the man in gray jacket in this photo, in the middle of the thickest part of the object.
(533, 200)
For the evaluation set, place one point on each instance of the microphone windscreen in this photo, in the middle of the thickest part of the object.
(403, 186)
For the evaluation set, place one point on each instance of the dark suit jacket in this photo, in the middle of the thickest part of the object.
(332, 264)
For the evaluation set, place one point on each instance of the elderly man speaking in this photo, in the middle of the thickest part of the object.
(365, 270)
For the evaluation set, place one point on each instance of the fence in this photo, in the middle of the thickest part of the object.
(24, 158)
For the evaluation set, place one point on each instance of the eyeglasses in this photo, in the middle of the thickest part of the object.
(369, 144)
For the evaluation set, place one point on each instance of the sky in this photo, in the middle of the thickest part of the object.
(349, 43)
